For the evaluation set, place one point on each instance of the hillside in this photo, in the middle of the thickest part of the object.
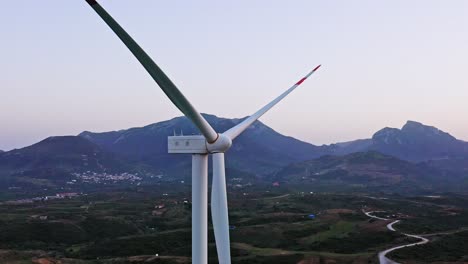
(53, 161)
(366, 171)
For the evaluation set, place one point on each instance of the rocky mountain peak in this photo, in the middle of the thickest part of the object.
(388, 136)
(419, 131)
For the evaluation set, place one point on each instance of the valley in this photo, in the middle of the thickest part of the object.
(149, 225)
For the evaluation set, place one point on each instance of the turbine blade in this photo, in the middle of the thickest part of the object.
(235, 131)
(219, 209)
(157, 74)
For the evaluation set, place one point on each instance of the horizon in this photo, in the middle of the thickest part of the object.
(313, 143)
(65, 72)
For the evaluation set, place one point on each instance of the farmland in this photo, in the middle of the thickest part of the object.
(147, 225)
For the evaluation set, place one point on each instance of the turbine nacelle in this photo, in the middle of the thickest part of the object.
(197, 144)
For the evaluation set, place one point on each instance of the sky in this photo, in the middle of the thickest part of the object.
(63, 71)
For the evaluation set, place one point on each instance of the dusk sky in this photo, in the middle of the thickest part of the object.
(64, 71)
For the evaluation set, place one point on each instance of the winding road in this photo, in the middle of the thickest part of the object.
(272, 198)
(382, 254)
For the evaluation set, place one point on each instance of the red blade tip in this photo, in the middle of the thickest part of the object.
(316, 68)
(301, 81)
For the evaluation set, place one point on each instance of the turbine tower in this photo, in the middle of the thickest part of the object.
(200, 146)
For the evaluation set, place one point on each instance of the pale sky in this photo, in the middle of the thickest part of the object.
(384, 62)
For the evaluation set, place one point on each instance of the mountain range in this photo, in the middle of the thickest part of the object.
(413, 142)
(415, 155)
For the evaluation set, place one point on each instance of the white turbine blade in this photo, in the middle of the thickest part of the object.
(219, 209)
(235, 131)
(158, 75)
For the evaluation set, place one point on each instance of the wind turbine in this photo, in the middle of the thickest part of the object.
(210, 142)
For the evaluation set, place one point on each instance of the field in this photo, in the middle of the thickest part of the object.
(148, 225)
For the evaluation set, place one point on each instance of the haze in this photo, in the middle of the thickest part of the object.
(384, 62)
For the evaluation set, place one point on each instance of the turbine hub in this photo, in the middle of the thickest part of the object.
(222, 144)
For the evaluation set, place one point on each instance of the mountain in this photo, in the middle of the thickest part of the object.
(418, 142)
(343, 148)
(55, 159)
(413, 142)
(64, 152)
(259, 149)
(365, 171)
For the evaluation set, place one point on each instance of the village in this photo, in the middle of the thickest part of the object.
(94, 177)
(65, 195)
